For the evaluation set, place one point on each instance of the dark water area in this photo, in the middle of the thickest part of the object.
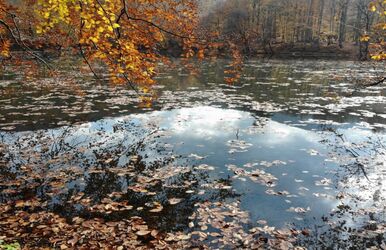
(294, 144)
(289, 90)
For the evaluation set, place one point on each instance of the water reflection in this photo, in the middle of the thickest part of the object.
(147, 159)
(287, 144)
(322, 90)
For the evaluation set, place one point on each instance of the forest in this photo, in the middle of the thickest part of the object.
(192, 124)
(284, 24)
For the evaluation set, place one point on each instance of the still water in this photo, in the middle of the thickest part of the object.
(294, 144)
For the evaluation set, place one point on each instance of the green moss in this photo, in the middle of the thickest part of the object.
(12, 246)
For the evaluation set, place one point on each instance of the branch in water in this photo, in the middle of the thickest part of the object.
(376, 83)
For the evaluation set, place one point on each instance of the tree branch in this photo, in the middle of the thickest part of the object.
(23, 45)
(376, 83)
(87, 61)
(124, 12)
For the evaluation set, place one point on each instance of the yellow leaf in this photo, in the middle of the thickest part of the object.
(372, 7)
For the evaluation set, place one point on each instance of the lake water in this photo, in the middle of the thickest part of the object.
(293, 144)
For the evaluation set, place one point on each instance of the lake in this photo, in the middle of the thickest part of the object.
(292, 146)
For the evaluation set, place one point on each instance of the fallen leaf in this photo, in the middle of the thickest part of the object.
(174, 201)
(142, 232)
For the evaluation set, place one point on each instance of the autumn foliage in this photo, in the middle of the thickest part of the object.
(127, 36)
(378, 36)
(124, 35)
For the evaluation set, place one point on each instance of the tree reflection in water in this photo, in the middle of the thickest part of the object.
(144, 172)
(80, 172)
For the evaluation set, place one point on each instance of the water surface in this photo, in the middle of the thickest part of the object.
(294, 144)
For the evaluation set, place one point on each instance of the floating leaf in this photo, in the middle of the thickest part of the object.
(143, 232)
(174, 201)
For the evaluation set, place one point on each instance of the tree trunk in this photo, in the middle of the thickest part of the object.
(368, 18)
(358, 22)
(320, 19)
(332, 16)
(342, 23)
(308, 37)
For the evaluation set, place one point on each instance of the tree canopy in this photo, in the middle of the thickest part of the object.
(123, 34)
(378, 36)
(128, 35)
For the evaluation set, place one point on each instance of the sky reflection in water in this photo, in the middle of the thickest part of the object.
(225, 137)
(281, 138)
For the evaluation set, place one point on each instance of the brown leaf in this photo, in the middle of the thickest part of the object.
(183, 237)
(174, 201)
(154, 233)
(73, 241)
(142, 232)
(157, 209)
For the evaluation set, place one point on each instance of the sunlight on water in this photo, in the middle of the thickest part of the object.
(204, 121)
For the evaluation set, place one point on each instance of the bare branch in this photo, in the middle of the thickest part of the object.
(23, 45)
(376, 83)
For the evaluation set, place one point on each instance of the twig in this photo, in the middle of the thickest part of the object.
(23, 45)
(376, 83)
(124, 12)
(87, 61)
(352, 151)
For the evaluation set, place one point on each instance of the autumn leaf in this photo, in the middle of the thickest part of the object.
(174, 201)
